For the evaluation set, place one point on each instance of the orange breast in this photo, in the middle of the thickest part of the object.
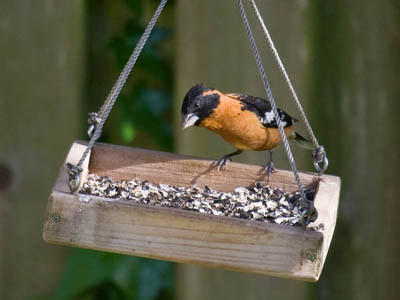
(242, 128)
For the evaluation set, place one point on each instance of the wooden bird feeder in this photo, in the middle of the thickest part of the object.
(177, 235)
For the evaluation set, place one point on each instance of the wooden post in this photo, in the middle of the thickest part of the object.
(354, 86)
(213, 48)
(41, 83)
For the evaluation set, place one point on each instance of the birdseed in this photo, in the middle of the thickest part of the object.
(259, 202)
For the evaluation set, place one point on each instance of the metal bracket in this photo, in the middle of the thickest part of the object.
(308, 213)
(74, 176)
(93, 121)
(320, 157)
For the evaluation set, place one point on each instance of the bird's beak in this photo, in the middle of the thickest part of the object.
(189, 120)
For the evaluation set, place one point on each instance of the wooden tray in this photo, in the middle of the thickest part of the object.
(121, 226)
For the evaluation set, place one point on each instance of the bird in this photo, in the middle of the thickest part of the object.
(246, 122)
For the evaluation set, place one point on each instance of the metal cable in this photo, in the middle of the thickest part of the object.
(271, 100)
(112, 97)
(109, 98)
(285, 75)
(319, 153)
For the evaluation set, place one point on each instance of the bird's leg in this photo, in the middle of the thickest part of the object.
(222, 161)
(269, 168)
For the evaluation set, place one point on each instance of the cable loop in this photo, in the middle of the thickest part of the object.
(320, 157)
(93, 121)
(97, 120)
(310, 215)
(74, 176)
(273, 105)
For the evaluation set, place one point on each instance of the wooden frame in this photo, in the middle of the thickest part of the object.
(183, 236)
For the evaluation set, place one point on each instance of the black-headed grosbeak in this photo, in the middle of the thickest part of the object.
(246, 122)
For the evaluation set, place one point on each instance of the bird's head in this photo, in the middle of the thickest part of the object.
(198, 104)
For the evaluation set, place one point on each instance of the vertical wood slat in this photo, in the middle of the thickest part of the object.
(354, 91)
(183, 236)
(41, 80)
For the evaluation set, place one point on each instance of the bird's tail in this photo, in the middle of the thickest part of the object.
(302, 142)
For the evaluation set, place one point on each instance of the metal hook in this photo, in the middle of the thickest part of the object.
(312, 214)
(74, 177)
(309, 214)
(319, 156)
(93, 121)
(321, 170)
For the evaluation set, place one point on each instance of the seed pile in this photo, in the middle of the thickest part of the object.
(260, 202)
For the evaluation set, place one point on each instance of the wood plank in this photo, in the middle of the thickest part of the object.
(41, 98)
(181, 236)
(327, 205)
(123, 163)
(184, 236)
(346, 96)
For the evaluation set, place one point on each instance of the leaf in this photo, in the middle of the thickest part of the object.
(154, 279)
(85, 268)
(128, 131)
(156, 101)
(136, 6)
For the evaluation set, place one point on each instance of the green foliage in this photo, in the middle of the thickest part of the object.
(128, 131)
(91, 275)
(146, 101)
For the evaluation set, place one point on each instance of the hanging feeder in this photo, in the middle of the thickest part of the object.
(126, 227)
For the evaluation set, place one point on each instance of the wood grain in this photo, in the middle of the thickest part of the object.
(122, 163)
(183, 236)
(42, 78)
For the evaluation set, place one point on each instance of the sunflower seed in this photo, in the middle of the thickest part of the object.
(260, 202)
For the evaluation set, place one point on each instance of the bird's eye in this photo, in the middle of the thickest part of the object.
(196, 104)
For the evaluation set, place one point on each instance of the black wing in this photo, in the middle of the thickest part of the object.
(263, 109)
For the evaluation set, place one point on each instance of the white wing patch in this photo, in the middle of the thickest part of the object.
(269, 119)
(269, 116)
(262, 108)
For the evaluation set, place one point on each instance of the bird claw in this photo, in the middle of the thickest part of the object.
(221, 162)
(270, 168)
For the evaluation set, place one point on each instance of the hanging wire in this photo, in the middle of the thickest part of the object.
(319, 154)
(97, 120)
(309, 207)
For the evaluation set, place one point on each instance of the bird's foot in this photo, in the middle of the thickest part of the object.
(270, 168)
(222, 161)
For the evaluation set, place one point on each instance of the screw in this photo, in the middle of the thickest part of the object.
(311, 257)
(6, 177)
(55, 217)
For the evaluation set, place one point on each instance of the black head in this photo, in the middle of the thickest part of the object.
(196, 106)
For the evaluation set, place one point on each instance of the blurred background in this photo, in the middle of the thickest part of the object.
(59, 60)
